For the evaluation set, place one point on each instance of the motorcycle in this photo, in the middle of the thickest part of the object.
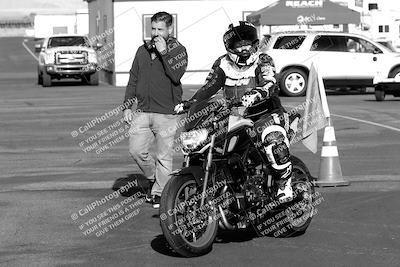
(227, 183)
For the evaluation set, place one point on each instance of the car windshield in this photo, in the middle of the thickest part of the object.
(67, 41)
(388, 45)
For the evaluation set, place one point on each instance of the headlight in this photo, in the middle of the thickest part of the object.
(49, 58)
(191, 140)
(92, 57)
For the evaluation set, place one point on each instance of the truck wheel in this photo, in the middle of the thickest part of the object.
(94, 79)
(46, 80)
(379, 95)
(40, 79)
(293, 82)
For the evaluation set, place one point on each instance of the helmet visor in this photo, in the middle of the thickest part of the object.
(240, 36)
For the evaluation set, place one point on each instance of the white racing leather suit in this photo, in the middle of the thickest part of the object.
(271, 127)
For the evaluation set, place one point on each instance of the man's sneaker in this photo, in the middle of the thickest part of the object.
(149, 197)
(285, 191)
(156, 202)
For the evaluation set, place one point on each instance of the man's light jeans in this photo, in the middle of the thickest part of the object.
(148, 129)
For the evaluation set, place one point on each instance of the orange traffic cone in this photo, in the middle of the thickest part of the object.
(330, 172)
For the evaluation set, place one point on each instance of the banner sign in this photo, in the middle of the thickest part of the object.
(305, 4)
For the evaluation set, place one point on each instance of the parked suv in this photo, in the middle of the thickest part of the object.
(344, 59)
(67, 56)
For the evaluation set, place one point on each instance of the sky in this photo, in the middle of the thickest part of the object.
(20, 8)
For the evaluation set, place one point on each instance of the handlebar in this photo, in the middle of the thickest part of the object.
(233, 102)
(229, 103)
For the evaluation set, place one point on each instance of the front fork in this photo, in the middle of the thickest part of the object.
(186, 161)
(208, 167)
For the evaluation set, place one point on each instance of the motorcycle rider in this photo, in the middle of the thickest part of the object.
(246, 74)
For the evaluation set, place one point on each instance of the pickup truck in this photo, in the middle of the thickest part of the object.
(386, 86)
(67, 56)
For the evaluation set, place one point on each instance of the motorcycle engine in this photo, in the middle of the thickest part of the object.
(254, 188)
(256, 180)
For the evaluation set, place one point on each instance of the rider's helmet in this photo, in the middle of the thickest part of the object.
(237, 37)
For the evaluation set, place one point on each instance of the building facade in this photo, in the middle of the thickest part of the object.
(122, 25)
(380, 20)
(47, 24)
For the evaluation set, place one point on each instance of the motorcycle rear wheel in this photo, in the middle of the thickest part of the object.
(189, 232)
(304, 188)
(293, 218)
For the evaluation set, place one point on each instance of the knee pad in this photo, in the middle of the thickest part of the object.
(276, 146)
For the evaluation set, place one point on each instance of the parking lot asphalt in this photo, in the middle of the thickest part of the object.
(49, 176)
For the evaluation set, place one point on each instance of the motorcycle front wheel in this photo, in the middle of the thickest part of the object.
(189, 229)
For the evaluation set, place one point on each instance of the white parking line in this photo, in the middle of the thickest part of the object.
(29, 51)
(368, 122)
(60, 185)
(360, 120)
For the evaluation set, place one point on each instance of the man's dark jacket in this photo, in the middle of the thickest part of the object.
(156, 83)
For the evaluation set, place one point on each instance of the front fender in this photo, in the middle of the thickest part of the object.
(196, 171)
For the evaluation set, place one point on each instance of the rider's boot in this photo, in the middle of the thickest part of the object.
(276, 146)
(285, 191)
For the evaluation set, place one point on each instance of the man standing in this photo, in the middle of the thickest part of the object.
(155, 82)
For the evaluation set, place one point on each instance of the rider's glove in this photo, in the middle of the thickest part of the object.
(184, 105)
(265, 90)
(250, 98)
(256, 95)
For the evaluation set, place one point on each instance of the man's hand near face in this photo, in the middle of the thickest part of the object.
(161, 44)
